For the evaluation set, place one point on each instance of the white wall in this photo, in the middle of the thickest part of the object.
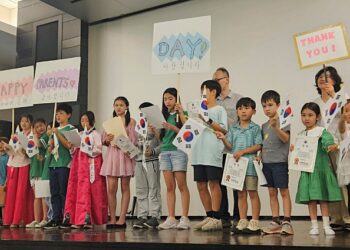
(253, 39)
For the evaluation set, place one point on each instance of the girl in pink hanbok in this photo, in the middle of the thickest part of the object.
(86, 200)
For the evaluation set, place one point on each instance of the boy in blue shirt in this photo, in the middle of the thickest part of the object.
(58, 168)
(3, 172)
(244, 140)
(207, 160)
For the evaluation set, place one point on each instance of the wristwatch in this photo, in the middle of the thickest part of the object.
(210, 122)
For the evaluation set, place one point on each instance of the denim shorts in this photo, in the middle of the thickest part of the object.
(276, 174)
(173, 161)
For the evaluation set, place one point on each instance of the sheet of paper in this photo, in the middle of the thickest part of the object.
(126, 146)
(303, 157)
(234, 172)
(73, 136)
(154, 116)
(115, 127)
(261, 177)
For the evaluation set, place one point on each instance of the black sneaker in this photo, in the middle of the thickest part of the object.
(347, 226)
(152, 223)
(226, 223)
(337, 227)
(51, 225)
(87, 224)
(140, 223)
(66, 222)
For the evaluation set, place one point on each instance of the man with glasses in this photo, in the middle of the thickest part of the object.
(228, 100)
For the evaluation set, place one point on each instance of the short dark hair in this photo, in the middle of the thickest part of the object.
(145, 105)
(4, 139)
(271, 95)
(224, 70)
(334, 75)
(246, 102)
(312, 106)
(91, 117)
(65, 108)
(212, 85)
(39, 120)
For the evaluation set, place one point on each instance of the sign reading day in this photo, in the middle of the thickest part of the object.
(322, 46)
(181, 46)
(56, 81)
(16, 87)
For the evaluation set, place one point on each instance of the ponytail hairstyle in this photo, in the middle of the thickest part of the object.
(91, 118)
(127, 114)
(165, 111)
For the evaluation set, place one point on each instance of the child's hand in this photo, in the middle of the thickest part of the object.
(291, 147)
(238, 154)
(54, 130)
(329, 88)
(168, 126)
(274, 121)
(332, 148)
(258, 158)
(178, 108)
(219, 135)
(109, 137)
(148, 152)
(151, 128)
(69, 144)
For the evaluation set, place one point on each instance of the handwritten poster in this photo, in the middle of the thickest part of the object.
(56, 81)
(322, 46)
(16, 87)
(181, 46)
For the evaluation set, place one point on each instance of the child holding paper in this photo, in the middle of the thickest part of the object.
(59, 166)
(244, 140)
(147, 175)
(275, 163)
(86, 200)
(321, 185)
(36, 169)
(173, 162)
(118, 165)
(3, 169)
(207, 160)
(19, 194)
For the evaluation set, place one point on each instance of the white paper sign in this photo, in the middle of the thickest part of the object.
(322, 46)
(181, 46)
(303, 157)
(16, 87)
(286, 114)
(234, 172)
(115, 126)
(73, 137)
(126, 146)
(154, 116)
(261, 177)
(188, 135)
(56, 81)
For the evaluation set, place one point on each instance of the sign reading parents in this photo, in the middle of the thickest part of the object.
(322, 46)
(56, 81)
(16, 87)
(181, 46)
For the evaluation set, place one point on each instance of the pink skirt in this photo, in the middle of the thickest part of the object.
(117, 164)
(83, 197)
(19, 203)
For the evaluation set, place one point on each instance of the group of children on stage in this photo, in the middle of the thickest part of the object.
(83, 186)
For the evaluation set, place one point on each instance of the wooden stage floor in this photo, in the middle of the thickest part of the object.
(100, 238)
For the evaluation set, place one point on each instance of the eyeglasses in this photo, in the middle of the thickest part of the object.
(219, 79)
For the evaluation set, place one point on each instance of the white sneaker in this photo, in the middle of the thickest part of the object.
(32, 224)
(199, 225)
(212, 225)
(314, 231)
(328, 231)
(184, 223)
(242, 224)
(169, 223)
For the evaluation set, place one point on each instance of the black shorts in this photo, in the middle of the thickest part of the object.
(204, 173)
(276, 174)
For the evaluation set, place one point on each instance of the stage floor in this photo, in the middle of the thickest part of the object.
(100, 238)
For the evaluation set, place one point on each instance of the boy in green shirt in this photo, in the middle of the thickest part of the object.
(58, 168)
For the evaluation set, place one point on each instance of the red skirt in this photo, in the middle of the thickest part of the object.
(19, 202)
(83, 197)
